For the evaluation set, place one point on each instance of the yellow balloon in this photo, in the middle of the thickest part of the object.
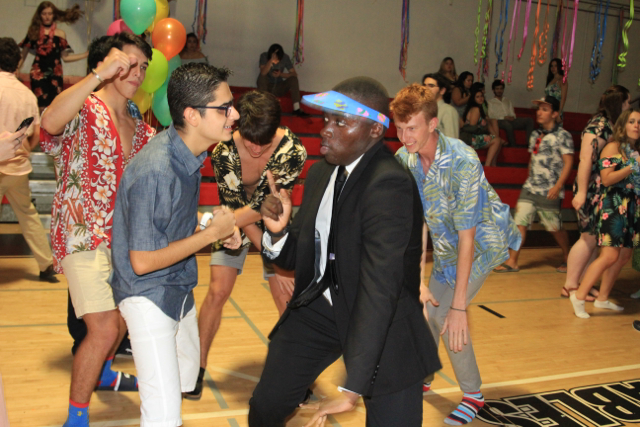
(162, 11)
(143, 100)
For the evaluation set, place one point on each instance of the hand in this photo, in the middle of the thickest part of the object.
(234, 241)
(427, 297)
(578, 200)
(116, 63)
(276, 73)
(286, 281)
(222, 225)
(345, 403)
(510, 118)
(274, 58)
(456, 324)
(553, 192)
(9, 143)
(276, 208)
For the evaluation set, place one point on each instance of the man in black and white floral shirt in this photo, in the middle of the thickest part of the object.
(240, 164)
(551, 149)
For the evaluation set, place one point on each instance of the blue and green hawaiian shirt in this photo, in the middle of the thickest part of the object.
(457, 196)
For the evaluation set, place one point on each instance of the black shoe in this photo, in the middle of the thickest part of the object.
(196, 394)
(636, 325)
(300, 113)
(124, 349)
(49, 275)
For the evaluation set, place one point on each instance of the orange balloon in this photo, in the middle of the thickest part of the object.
(169, 37)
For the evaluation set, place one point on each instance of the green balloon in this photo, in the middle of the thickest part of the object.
(174, 63)
(160, 105)
(156, 73)
(138, 14)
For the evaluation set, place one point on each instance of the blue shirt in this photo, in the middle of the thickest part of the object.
(157, 204)
(456, 196)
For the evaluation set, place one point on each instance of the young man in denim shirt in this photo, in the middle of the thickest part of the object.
(154, 240)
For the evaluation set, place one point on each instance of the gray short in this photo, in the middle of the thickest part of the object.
(235, 258)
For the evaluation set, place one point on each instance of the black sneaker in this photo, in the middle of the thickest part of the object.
(196, 393)
(636, 325)
(49, 275)
(300, 113)
(124, 349)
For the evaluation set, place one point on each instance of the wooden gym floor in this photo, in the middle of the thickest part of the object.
(538, 361)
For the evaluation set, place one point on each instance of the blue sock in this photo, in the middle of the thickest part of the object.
(466, 410)
(108, 377)
(78, 415)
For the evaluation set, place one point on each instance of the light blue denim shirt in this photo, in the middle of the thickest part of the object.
(157, 204)
(457, 196)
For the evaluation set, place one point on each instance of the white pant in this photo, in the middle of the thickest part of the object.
(167, 357)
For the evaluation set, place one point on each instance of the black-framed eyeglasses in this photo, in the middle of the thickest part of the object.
(225, 107)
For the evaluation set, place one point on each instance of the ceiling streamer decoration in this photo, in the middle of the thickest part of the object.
(199, 25)
(526, 27)
(534, 53)
(298, 40)
(596, 54)
(514, 22)
(484, 64)
(477, 33)
(404, 45)
(566, 63)
(544, 37)
(498, 48)
(622, 58)
(557, 30)
(616, 50)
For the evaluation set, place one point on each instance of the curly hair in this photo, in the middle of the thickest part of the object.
(9, 54)
(620, 132)
(414, 99)
(70, 16)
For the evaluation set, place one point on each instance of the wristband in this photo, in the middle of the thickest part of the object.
(457, 309)
(206, 217)
(93, 71)
(280, 233)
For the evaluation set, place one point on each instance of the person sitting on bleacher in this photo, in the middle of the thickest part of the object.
(501, 109)
(240, 164)
(17, 103)
(448, 118)
(277, 76)
(478, 131)
(551, 149)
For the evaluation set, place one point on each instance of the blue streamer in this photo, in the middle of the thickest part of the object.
(596, 54)
(499, 50)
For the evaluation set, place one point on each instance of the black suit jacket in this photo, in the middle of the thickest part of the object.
(385, 338)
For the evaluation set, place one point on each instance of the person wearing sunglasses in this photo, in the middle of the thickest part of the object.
(551, 149)
(156, 234)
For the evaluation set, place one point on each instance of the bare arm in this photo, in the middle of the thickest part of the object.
(609, 175)
(246, 216)
(292, 73)
(72, 57)
(34, 139)
(553, 193)
(584, 171)
(23, 56)
(144, 262)
(457, 98)
(265, 68)
(564, 88)
(66, 105)
(474, 116)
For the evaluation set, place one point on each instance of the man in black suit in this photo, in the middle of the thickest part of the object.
(362, 300)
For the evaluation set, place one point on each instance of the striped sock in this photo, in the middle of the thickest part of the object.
(426, 387)
(466, 410)
(78, 415)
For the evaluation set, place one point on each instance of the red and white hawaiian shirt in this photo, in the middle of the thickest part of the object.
(88, 162)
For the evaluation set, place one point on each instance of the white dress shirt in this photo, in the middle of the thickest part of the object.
(499, 109)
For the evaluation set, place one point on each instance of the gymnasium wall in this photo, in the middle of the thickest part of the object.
(345, 38)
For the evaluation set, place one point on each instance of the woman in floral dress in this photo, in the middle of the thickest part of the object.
(478, 131)
(556, 87)
(618, 213)
(586, 189)
(49, 45)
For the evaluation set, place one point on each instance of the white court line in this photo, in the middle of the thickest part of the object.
(235, 374)
(239, 412)
(542, 379)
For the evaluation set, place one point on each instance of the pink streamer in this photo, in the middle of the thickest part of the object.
(573, 39)
(526, 27)
(514, 23)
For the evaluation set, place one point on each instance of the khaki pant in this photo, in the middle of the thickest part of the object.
(16, 188)
(281, 87)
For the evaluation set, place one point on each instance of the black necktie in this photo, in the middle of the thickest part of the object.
(329, 278)
(330, 269)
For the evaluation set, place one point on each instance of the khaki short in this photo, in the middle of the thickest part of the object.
(548, 211)
(87, 274)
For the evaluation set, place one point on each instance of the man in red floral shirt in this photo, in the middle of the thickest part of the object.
(92, 136)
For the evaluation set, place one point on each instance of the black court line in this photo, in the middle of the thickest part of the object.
(495, 313)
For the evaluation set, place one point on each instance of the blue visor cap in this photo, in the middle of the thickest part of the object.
(335, 101)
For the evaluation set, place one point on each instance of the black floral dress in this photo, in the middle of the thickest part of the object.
(588, 213)
(46, 70)
(286, 163)
(618, 210)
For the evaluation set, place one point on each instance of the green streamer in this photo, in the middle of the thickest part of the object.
(475, 49)
(622, 59)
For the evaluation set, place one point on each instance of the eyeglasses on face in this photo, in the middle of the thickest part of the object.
(224, 107)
